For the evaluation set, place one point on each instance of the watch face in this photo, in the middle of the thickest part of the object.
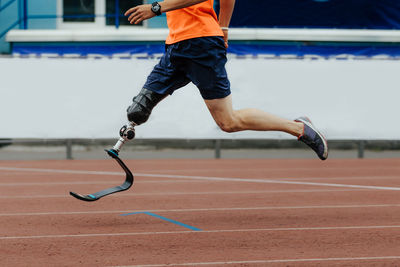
(156, 8)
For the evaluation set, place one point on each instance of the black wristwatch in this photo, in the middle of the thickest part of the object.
(156, 8)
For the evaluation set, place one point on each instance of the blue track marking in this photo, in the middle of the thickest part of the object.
(165, 219)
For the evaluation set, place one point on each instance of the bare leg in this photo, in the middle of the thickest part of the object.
(230, 120)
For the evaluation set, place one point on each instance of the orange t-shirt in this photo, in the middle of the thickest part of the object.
(195, 21)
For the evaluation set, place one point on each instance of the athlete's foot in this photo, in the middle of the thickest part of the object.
(313, 138)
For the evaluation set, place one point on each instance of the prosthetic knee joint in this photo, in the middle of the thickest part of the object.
(138, 113)
(126, 133)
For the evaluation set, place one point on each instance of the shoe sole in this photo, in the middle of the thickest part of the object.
(307, 121)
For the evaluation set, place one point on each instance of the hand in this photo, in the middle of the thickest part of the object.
(139, 13)
(225, 37)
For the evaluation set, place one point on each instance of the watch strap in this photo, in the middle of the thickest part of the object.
(156, 8)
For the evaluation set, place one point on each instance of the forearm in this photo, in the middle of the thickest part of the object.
(169, 5)
(225, 12)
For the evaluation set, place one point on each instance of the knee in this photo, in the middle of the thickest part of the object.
(229, 126)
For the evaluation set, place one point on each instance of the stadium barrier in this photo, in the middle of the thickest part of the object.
(272, 43)
(73, 99)
(216, 145)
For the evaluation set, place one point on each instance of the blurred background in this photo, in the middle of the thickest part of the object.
(69, 69)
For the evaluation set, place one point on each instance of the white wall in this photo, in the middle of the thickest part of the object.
(87, 98)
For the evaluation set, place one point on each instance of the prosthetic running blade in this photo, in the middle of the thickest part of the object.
(125, 186)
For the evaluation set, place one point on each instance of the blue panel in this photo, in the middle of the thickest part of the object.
(298, 49)
(320, 49)
(85, 49)
(8, 17)
(42, 7)
(346, 14)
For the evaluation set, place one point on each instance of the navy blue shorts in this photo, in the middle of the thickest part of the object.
(199, 60)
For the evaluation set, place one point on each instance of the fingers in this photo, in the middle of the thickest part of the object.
(225, 37)
(139, 13)
(134, 19)
(131, 10)
(133, 14)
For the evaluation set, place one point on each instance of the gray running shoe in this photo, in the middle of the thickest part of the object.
(313, 138)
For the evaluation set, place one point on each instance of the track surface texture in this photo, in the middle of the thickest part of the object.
(227, 212)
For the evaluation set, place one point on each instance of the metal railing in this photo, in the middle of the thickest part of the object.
(359, 147)
(24, 17)
(22, 20)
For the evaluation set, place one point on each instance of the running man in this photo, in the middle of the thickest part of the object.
(196, 52)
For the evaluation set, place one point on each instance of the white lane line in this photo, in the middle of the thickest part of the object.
(266, 192)
(381, 177)
(91, 183)
(156, 172)
(54, 183)
(206, 178)
(202, 209)
(266, 261)
(268, 168)
(59, 171)
(9, 184)
(206, 232)
(272, 181)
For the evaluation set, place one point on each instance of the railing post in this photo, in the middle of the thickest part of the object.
(116, 14)
(361, 148)
(19, 14)
(68, 144)
(217, 148)
(25, 16)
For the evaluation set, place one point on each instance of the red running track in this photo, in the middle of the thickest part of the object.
(247, 213)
